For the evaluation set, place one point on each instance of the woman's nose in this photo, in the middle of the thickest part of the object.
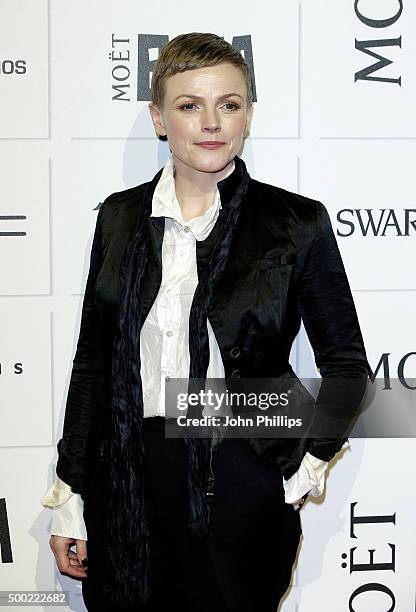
(210, 121)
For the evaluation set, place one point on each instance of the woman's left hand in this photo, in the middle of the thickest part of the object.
(299, 502)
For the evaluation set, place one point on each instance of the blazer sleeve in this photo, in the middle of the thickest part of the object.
(87, 376)
(328, 312)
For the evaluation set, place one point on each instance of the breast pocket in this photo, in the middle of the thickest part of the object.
(275, 274)
(277, 259)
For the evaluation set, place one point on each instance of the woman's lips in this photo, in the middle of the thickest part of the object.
(210, 145)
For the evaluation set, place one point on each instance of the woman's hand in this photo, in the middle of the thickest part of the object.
(70, 562)
(299, 502)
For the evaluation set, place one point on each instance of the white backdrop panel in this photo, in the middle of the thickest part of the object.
(25, 381)
(368, 190)
(343, 106)
(87, 73)
(24, 69)
(24, 223)
(365, 474)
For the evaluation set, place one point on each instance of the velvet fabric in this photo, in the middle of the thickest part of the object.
(270, 260)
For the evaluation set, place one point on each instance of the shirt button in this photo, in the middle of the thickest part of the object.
(180, 252)
(186, 228)
(169, 333)
(235, 352)
(236, 374)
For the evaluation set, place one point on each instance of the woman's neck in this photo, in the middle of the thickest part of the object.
(196, 190)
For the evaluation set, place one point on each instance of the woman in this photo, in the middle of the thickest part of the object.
(203, 272)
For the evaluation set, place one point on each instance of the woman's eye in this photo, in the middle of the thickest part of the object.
(232, 104)
(188, 104)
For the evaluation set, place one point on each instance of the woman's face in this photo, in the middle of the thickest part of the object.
(205, 104)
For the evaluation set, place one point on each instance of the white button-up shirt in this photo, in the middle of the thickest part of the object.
(164, 345)
(164, 337)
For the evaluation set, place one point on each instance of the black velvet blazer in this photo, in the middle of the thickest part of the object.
(284, 265)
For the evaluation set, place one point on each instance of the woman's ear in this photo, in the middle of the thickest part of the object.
(248, 120)
(157, 119)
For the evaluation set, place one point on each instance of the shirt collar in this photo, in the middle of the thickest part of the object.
(165, 203)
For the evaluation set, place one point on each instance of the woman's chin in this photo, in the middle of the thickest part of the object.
(211, 160)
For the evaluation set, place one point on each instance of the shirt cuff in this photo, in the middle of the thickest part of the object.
(309, 478)
(316, 469)
(68, 519)
(57, 494)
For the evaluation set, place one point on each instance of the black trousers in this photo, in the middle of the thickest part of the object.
(245, 566)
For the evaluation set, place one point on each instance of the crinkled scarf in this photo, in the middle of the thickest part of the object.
(127, 581)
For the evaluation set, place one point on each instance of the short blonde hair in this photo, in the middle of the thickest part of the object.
(195, 50)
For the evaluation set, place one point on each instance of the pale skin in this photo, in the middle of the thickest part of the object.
(214, 108)
(68, 561)
(198, 105)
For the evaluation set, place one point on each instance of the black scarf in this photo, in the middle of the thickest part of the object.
(128, 578)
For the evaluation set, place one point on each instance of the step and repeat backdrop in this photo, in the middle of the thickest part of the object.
(335, 93)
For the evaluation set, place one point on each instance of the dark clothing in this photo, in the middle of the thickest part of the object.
(245, 566)
(283, 267)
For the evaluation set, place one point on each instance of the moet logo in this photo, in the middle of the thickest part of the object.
(370, 565)
(148, 46)
(384, 365)
(365, 45)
